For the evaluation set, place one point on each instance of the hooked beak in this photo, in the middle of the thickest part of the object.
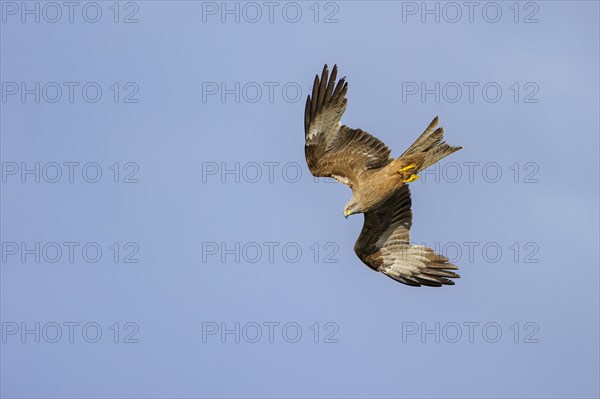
(346, 213)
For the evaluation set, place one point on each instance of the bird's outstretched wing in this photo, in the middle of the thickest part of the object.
(333, 150)
(384, 246)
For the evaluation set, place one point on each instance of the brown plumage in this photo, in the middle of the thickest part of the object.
(378, 182)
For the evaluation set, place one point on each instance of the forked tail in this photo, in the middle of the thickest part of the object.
(430, 145)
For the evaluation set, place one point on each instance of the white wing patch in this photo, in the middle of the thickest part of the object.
(406, 262)
(312, 134)
(342, 179)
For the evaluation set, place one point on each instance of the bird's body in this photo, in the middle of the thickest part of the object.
(379, 184)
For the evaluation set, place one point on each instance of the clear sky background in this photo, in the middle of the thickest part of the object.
(235, 241)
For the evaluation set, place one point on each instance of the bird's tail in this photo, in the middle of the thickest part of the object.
(431, 146)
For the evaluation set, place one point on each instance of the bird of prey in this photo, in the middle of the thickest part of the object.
(379, 184)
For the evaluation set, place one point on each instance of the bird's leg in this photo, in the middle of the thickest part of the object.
(413, 176)
(409, 167)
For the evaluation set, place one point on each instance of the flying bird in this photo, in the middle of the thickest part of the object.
(379, 184)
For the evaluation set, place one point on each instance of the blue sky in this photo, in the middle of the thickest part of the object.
(162, 235)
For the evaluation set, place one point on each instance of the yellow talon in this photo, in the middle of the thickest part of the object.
(409, 167)
(411, 178)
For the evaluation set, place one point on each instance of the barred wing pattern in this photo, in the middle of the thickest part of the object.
(384, 246)
(332, 149)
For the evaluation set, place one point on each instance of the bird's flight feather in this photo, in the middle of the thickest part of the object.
(332, 149)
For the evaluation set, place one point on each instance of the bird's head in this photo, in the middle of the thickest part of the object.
(351, 208)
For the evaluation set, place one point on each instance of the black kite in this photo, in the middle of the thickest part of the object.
(378, 182)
